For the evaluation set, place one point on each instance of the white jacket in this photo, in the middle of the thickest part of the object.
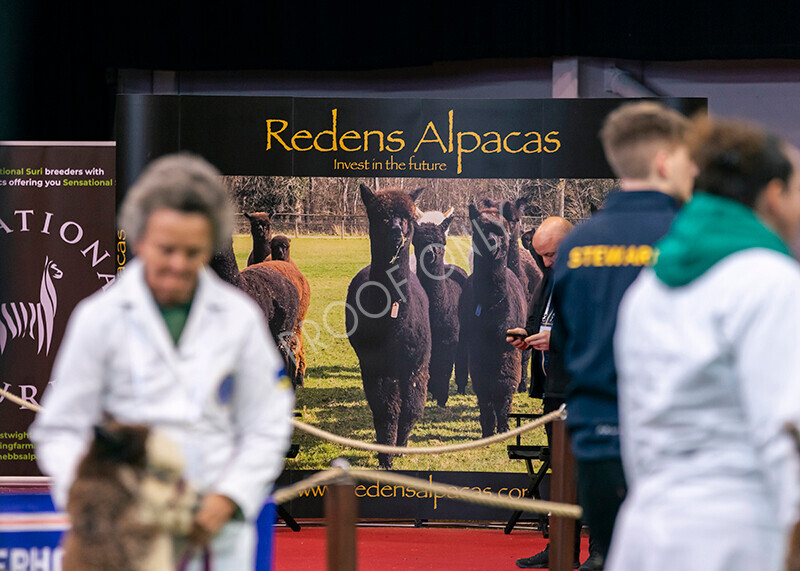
(217, 393)
(708, 374)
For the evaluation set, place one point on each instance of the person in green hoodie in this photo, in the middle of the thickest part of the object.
(708, 367)
(645, 143)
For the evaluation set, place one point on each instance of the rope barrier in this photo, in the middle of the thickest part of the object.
(23, 403)
(445, 491)
(349, 442)
(314, 431)
(321, 478)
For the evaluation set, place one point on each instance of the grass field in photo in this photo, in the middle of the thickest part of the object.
(333, 397)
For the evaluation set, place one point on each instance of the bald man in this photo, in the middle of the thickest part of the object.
(536, 334)
(547, 384)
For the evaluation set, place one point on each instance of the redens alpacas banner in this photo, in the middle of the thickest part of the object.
(431, 138)
(57, 243)
(376, 215)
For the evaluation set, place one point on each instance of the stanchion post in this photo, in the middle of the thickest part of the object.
(562, 489)
(341, 515)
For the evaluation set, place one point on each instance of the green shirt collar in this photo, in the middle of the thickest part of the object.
(175, 317)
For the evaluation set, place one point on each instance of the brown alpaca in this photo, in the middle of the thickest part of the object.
(491, 302)
(128, 503)
(279, 247)
(285, 266)
(387, 320)
(274, 293)
(525, 268)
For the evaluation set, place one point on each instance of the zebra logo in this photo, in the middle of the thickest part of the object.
(32, 319)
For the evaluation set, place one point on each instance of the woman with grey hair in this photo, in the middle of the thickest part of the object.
(170, 345)
(181, 182)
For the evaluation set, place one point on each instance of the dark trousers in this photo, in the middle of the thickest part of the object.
(549, 404)
(601, 490)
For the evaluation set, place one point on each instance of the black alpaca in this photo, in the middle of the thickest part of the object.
(492, 302)
(529, 271)
(443, 292)
(527, 241)
(261, 231)
(387, 320)
(522, 264)
(274, 294)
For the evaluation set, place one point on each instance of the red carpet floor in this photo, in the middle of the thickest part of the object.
(409, 548)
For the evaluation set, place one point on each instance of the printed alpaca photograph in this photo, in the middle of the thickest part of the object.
(274, 293)
(443, 284)
(387, 319)
(493, 301)
(377, 313)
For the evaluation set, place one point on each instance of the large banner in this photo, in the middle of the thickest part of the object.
(57, 243)
(415, 138)
(298, 167)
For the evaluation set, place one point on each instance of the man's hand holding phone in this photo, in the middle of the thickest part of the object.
(517, 338)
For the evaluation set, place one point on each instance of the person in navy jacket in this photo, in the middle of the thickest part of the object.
(645, 144)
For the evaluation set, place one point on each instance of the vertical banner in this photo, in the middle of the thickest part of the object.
(57, 244)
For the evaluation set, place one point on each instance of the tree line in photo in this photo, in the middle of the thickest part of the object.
(332, 205)
(412, 319)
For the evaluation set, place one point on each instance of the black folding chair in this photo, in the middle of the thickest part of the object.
(529, 453)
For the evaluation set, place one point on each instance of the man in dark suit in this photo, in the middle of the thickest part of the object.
(547, 383)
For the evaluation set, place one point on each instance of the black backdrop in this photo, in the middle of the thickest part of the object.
(59, 61)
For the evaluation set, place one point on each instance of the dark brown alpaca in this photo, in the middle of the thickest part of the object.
(128, 503)
(492, 302)
(261, 231)
(525, 268)
(444, 291)
(279, 247)
(521, 261)
(387, 320)
(527, 241)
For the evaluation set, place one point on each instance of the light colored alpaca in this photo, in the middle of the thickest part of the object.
(129, 504)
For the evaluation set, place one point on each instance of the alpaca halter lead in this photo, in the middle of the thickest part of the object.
(400, 247)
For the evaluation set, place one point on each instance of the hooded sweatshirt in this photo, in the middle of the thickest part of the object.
(707, 230)
(707, 361)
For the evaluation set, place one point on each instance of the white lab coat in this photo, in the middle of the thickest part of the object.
(708, 374)
(218, 393)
